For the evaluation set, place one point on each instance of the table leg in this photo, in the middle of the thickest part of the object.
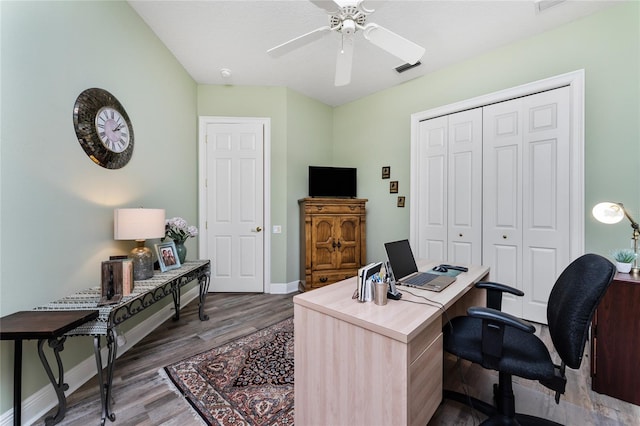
(105, 383)
(57, 344)
(17, 382)
(203, 282)
(175, 292)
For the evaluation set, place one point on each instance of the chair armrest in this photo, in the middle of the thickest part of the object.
(494, 293)
(494, 324)
(501, 317)
(500, 287)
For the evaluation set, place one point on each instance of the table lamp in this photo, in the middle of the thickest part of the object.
(139, 225)
(610, 213)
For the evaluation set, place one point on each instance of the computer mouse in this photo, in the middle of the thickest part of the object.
(440, 268)
(456, 268)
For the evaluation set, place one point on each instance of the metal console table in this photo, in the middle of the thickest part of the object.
(145, 293)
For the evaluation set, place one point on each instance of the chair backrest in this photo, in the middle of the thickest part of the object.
(572, 302)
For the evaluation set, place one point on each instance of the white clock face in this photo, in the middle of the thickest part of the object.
(112, 129)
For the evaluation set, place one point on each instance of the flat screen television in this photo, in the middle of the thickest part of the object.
(332, 182)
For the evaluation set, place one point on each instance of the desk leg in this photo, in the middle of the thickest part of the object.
(17, 382)
(105, 388)
(57, 344)
(203, 281)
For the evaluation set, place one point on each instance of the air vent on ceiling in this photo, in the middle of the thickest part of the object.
(542, 5)
(407, 67)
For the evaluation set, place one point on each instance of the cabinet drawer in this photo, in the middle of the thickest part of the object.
(333, 209)
(322, 278)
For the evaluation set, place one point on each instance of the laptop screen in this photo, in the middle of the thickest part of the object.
(401, 258)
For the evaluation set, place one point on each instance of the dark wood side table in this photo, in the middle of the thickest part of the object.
(615, 341)
(45, 326)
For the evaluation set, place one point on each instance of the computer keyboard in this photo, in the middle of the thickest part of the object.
(420, 279)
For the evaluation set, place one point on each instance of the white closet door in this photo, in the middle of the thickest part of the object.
(502, 206)
(526, 188)
(432, 179)
(465, 188)
(545, 203)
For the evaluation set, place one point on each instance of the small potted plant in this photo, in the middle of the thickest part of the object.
(624, 259)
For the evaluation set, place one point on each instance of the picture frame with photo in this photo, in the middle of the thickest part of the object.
(393, 187)
(386, 172)
(167, 256)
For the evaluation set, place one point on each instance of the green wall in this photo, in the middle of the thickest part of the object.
(375, 131)
(56, 205)
(56, 211)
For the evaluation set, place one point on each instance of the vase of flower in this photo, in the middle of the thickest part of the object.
(181, 250)
(179, 230)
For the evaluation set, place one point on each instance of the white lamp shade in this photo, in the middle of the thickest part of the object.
(138, 224)
(608, 212)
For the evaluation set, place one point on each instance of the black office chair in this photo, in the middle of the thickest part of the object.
(502, 342)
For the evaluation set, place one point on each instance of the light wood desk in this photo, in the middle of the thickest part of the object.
(364, 364)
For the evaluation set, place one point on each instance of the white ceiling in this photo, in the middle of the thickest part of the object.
(207, 36)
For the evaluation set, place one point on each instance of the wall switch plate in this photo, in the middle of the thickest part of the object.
(277, 229)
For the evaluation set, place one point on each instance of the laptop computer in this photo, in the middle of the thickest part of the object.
(405, 271)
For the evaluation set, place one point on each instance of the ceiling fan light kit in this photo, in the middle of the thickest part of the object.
(346, 18)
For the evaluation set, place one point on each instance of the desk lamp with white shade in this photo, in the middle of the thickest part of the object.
(609, 213)
(139, 224)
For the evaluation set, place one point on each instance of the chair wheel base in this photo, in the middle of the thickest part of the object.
(495, 418)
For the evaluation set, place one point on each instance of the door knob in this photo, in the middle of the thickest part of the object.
(258, 229)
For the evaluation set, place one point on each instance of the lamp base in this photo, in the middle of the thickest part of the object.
(635, 271)
(142, 262)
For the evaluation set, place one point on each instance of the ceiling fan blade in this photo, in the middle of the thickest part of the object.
(344, 61)
(297, 42)
(329, 5)
(397, 45)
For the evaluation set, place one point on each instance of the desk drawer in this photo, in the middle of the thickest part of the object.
(423, 340)
(425, 383)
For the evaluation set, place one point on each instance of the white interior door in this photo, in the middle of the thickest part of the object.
(234, 203)
(450, 203)
(464, 230)
(432, 199)
(532, 184)
(527, 192)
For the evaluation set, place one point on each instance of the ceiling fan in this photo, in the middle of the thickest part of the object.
(346, 17)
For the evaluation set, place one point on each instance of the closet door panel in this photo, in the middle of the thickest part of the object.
(502, 206)
(545, 196)
(464, 209)
(432, 176)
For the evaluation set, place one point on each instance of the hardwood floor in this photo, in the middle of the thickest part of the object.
(143, 397)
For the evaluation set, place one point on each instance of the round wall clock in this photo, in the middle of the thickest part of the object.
(103, 128)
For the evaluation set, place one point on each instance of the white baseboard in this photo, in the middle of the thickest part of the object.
(36, 405)
(283, 288)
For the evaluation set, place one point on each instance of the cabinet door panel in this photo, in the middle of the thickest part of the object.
(348, 253)
(323, 253)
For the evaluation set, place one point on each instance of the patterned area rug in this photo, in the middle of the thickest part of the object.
(245, 382)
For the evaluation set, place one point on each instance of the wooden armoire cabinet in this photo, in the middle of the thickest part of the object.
(333, 240)
(615, 341)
